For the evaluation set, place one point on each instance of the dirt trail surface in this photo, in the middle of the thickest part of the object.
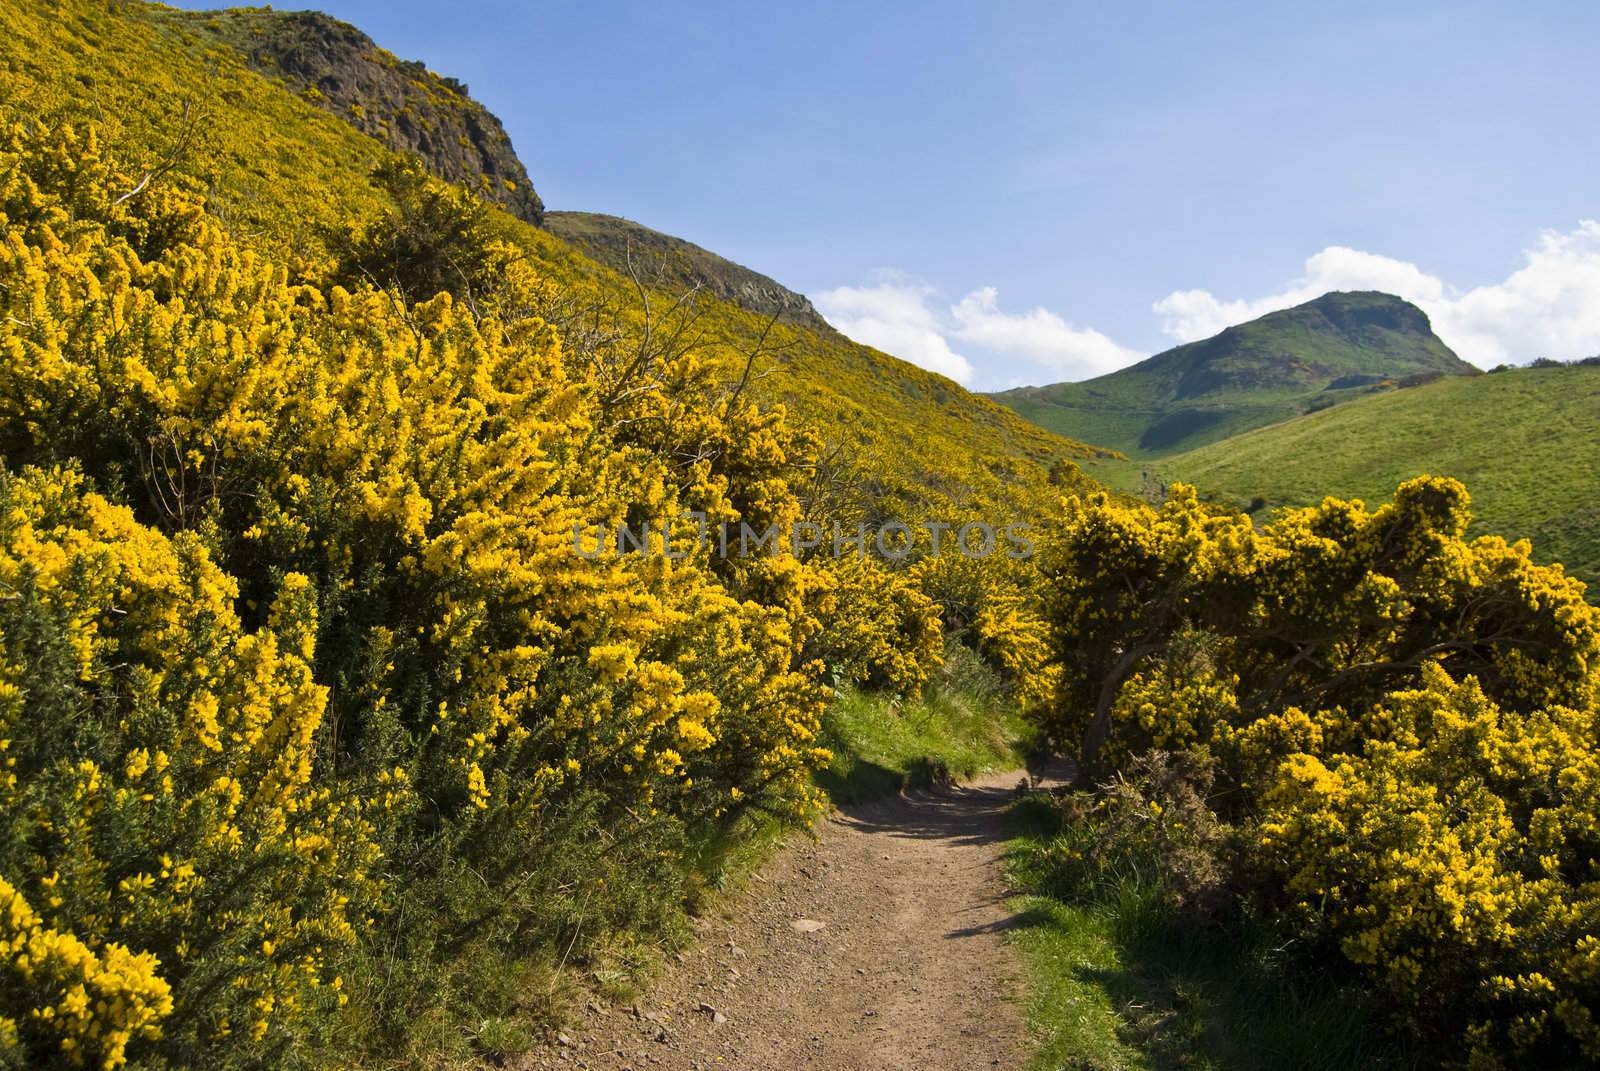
(877, 947)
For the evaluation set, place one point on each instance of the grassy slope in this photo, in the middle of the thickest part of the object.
(1525, 442)
(284, 172)
(1256, 373)
(882, 744)
(136, 69)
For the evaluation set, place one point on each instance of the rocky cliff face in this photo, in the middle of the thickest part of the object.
(339, 68)
(400, 102)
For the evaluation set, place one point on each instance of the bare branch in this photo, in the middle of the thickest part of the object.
(187, 128)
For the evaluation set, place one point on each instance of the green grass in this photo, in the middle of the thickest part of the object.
(1525, 442)
(1136, 429)
(956, 729)
(1117, 980)
(1074, 1017)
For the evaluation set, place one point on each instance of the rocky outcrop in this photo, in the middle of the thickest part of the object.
(400, 102)
(675, 264)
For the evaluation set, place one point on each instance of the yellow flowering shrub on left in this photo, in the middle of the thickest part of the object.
(362, 658)
(158, 824)
(885, 630)
(92, 1004)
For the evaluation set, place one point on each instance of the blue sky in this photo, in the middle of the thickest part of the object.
(1028, 192)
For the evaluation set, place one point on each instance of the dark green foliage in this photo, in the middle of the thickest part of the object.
(431, 239)
(1139, 957)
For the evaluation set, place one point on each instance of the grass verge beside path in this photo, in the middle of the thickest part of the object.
(1117, 980)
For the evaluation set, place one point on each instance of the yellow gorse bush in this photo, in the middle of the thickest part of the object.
(1403, 723)
(161, 824)
(336, 651)
(1189, 612)
(1454, 856)
(94, 1003)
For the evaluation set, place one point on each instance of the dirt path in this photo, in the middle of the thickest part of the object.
(907, 970)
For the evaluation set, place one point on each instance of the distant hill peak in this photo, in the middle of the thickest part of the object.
(1354, 311)
(1342, 334)
(401, 103)
(1269, 369)
(1368, 320)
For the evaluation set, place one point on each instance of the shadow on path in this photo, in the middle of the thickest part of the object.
(966, 815)
(970, 814)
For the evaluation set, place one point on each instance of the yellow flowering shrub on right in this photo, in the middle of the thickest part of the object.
(1398, 724)
(1454, 857)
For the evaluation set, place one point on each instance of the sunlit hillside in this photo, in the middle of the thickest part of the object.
(1327, 351)
(284, 173)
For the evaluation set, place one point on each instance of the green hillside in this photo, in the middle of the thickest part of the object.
(1526, 442)
(1339, 346)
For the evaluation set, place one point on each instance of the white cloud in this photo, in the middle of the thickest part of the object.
(899, 316)
(1039, 336)
(1550, 307)
(894, 316)
(1190, 315)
